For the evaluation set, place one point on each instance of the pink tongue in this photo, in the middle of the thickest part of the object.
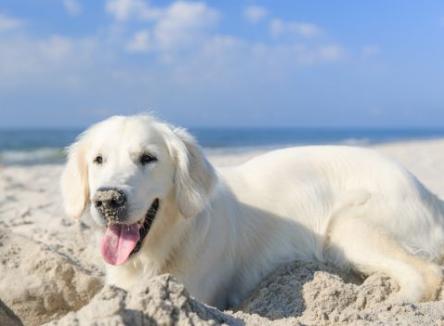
(118, 242)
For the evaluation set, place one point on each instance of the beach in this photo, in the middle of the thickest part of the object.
(51, 270)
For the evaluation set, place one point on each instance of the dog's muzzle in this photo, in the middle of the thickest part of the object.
(111, 203)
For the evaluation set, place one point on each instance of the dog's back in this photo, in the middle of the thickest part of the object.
(298, 198)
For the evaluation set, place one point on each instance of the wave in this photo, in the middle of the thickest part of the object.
(31, 157)
(357, 141)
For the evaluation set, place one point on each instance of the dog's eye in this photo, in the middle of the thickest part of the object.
(147, 158)
(98, 159)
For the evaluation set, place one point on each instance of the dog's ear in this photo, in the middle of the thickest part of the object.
(74, 182)
(194, 178)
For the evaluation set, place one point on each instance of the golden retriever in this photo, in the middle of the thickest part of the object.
(163, 208)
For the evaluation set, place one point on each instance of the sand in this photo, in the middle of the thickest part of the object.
(51, 271)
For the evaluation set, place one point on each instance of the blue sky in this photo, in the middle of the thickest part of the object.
(68, 63)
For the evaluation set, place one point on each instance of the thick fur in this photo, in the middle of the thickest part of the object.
(220, 232)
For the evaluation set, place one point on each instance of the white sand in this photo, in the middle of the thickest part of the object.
(51, 272)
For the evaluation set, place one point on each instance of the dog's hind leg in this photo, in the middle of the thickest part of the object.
(368, 249)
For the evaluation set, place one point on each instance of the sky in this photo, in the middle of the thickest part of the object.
(310, 63)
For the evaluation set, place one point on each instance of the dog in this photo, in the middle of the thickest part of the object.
(161, 207)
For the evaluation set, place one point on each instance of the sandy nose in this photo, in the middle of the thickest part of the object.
(110, 202)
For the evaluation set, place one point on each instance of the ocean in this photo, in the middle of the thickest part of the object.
(34, 146)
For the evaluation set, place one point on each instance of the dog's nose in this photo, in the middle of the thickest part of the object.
(110, 202)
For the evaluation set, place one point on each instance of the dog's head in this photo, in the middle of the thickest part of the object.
(125, 169)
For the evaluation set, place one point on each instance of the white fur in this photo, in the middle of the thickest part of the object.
(220, 232)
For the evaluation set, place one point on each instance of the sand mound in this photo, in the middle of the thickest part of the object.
(42, 284)
(296, 294)
(161, 301)
(314, 294)
(39, 284)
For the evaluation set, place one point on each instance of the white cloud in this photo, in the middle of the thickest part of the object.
(255, 14)
(55, 60)
(179, 26)
(8, 23)
(56, 48)
(229, 62)
(140, 42)
(370, 50)
(182, 36)
(124, 10)
(183, 23)
(279, 28)
(331, 52)
(183, 31)
(289, 56)
(72, 7)
(187, 54)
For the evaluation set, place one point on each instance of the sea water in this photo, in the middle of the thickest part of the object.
(47, 146)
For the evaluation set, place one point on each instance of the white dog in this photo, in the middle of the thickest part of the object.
(163, 208)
